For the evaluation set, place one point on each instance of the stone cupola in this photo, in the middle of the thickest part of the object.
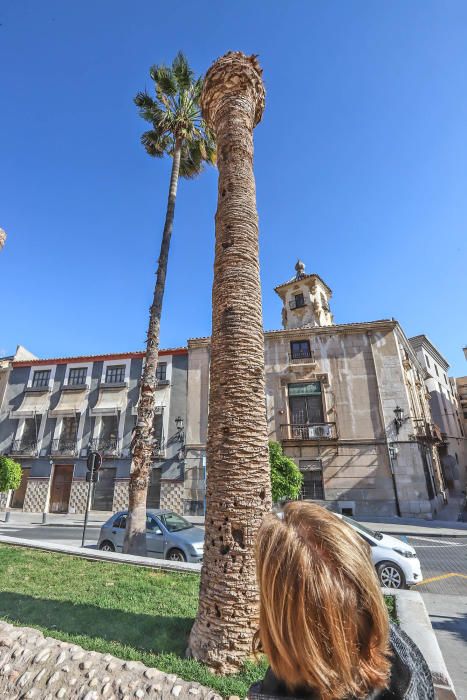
(305, 300)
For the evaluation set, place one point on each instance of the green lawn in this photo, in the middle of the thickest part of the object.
(129, 611)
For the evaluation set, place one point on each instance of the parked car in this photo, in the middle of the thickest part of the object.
(168, 536)
(395, 561)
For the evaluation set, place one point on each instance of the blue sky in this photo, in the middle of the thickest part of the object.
(360, 161)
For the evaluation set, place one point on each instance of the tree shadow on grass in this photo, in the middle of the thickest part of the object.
(149, 633)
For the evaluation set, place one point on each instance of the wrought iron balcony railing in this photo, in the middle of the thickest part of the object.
(312, 431)
(64, 447)
(24, 447)
(109, 447)
(303, 356)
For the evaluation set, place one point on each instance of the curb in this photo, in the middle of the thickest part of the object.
(97, 555)
(414, 621)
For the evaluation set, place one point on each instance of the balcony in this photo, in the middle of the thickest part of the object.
(64, 448)
(427, 431)
(25, 448)
(108, 447)
(302, 357)
(310, 432)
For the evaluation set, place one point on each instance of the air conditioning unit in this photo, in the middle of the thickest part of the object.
(319, 431)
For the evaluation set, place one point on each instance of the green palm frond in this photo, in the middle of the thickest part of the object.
(175, 115)
(182, 72)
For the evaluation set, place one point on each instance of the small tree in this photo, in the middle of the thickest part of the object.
(286, 477)
(10, 474)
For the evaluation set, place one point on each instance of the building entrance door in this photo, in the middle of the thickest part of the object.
(103, 492)
(61, 487)
(17, 497)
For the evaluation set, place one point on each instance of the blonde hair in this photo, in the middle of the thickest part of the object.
(323, 622)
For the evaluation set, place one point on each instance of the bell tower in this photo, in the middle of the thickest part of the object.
(305, 300)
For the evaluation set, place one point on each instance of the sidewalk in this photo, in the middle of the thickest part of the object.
(96, 517)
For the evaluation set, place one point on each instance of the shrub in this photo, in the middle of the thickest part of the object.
(286, 478)
(10, 474)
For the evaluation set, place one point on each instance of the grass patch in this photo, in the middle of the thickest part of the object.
(128, 611)
(390, 601)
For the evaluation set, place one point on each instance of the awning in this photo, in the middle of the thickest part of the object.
(110, 401)
(32, 405)
(70, 403)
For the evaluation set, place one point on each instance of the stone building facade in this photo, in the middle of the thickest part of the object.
(446, 411)
(347, 402)
(54, 411)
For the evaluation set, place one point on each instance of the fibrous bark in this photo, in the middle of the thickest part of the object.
(238, 477)
(143, 444)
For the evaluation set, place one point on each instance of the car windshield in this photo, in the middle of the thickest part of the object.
(174, 522)
(362, 528)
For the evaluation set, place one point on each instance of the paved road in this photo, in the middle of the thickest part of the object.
(444, 564)
(58, 534)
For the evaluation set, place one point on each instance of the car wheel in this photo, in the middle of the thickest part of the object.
(390, 575)
(106, 546)
(176, 555)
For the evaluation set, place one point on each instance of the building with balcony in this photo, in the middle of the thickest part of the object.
(446, 411)
(55, 411)
(347, 402)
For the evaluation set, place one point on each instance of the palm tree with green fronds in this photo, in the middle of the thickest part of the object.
(177, 130)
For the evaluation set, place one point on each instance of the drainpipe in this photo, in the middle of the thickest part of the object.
(386, 441)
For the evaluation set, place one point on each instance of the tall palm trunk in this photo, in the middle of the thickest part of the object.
(143, 437)
(238, 479)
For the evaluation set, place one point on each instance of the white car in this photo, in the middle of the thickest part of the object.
(396, 562)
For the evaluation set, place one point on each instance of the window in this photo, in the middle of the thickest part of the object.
(174, 522)
(69, 429)
(324, 302)
(158, 425)
(109, 431)
(115, 374)
(299, 301)
(152, 525)
(445, 378)
(41, 378)
(427, 361)
(30, 430)
(465, 414)
(120, 522)
(312, 472)
(77, 375)
(436, 370)
(161, 371)
(300, 348)
(306, 403)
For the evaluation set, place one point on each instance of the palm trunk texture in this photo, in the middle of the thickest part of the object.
(238, 492)
(143, 437)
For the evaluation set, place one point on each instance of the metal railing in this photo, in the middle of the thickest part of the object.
(314, 431)
(106, 446)
(61, 446)
(21, 447)
(301, 356)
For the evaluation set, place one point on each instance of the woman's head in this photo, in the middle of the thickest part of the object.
(323, 621)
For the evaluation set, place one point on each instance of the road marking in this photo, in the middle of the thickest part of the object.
(439, 578)
(443, 542)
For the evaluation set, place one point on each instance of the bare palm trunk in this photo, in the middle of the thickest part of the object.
(143, 446)
(238, 477)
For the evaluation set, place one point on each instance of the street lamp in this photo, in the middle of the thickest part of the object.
(399, 419)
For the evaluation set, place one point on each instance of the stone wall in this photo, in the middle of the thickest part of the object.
(34, 667)
(172, 495)
(37, 493)
(120, 501)
(78, 497)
